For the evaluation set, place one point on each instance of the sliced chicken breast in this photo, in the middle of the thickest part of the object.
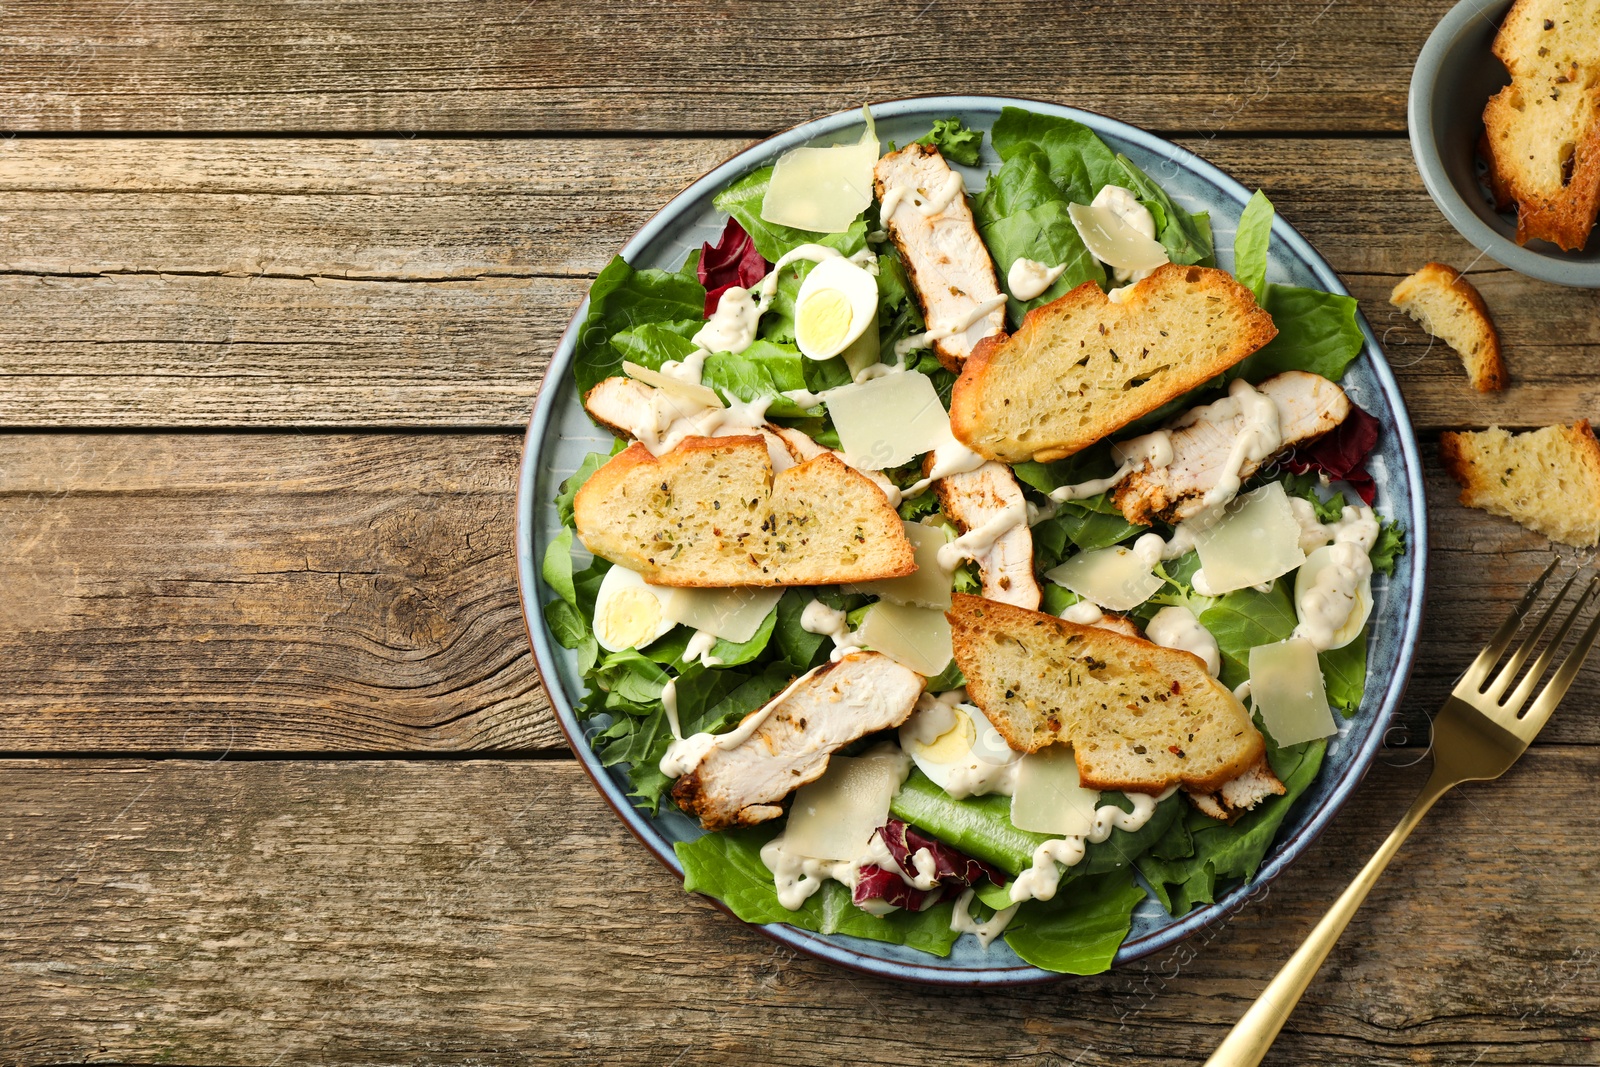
(1242, 793)
(933, 229)
(833, 705)
(633, 409)
(1309, 405)
(987, 495)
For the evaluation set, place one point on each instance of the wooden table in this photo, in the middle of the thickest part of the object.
(280, 784)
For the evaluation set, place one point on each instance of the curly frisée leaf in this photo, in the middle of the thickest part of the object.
(954, 141)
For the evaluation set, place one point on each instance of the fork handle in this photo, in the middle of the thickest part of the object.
(1247, 1043)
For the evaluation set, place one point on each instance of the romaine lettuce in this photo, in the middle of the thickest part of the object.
(622, 298)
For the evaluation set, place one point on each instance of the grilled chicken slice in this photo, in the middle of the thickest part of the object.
(932, 227)
(1309, 405)
(1243, 793)
(988, 495)
(827, 709)
(633, 409)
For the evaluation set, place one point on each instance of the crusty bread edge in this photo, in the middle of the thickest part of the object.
(610, 474)
(1453, 448)
(963, 624)
(1493, 377)
(1565, 221)
(970, 385)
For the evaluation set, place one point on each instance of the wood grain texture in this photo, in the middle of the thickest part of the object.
(266, 592)
(425, 283)
(481, 912)
(500, 65)
(327, 593)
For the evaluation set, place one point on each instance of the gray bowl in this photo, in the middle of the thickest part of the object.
(1455, 75)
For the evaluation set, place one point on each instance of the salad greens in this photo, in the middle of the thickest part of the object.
(650, 317)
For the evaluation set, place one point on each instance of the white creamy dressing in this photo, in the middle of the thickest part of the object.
(962, 922)
(952, 457)
(669, 704)
(1084, 613)
(1333, 596)
(672, 423)
(1027, 278)
(891, 200)
(1051, 859)
(1259, 437)
(699, 648)
(943, 196)
(1152, 449)
(685, 752)
(1176, 627)
(818, 618)
(980, 539)
(938, 331)
(732, 326)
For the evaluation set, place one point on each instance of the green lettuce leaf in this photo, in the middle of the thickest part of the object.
(1344, 674)
(1077, 932)
(954, 141)
(1080, 162)
(1046, 235)
(1250, 245)
(728, 866)
(622, 298)
(1390, 546)
(1198, 852)
(569, 488)
(654, 343)
(1317, 332)
(1245, 618)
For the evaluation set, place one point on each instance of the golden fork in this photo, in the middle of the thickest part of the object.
(1477, 736)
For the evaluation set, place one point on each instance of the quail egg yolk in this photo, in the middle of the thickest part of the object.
(824, 320)
(953, 745)
(632, 618)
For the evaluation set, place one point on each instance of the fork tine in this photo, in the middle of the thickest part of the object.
(1472, 680)
(1530, 724)
(1508, 673)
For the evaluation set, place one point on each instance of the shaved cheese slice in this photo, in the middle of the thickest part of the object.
(929, 587)
(889, 420)
(919, 638)
(835, 816)
(1112, 241)
(1116, 579)
(1048, 798)
(700, 395)
(731, 614)
(1257, 540)
(1286, 688)
(821, 189)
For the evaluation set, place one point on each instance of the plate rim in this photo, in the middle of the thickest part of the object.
(829, 947)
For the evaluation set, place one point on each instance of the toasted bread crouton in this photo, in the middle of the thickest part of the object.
(1548, 480)
(1081, 367)
(1544, 128)
(1139, 717)
(816, 716)
(1450, 308)
(711, 513)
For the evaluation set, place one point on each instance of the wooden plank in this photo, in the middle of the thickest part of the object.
(483, 912)
(498, 65)
(425, 283)
(267, 592)
(289, 592)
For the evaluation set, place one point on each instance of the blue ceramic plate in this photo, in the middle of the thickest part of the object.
(560, 434)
